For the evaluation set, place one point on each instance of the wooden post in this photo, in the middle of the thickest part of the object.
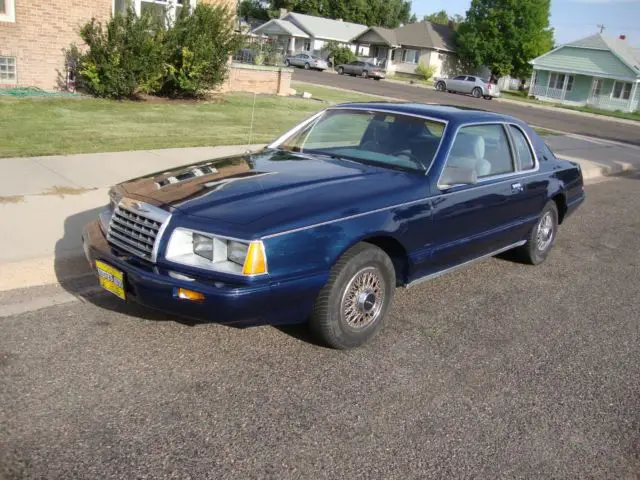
(532, 84)
(564, 86)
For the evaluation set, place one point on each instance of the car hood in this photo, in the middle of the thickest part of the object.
(270, 187)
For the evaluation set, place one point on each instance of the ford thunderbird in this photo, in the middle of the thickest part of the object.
(324, 223)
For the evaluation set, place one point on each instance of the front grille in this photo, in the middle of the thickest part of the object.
(135, 227)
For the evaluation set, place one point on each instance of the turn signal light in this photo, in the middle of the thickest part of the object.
(256, 261)
(186, 294)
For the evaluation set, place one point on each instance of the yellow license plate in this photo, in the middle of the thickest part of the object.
(111, 279)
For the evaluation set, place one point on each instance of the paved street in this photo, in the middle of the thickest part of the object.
(553, 119)
(499, 371)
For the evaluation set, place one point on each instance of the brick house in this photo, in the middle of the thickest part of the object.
(34, 33)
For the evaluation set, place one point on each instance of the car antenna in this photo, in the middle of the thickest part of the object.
(253, 112)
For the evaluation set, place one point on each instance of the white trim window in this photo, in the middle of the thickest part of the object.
(8, 70)
(307, 46)
(556, 80)
(621, 90)
(410, 56)
(8, 11)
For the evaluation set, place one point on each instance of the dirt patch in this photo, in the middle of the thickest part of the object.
(62, 191)
(212, 98)
(11, 199)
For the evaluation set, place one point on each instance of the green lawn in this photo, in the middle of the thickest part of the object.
(408, 78)
(47, 126)
(522, 97)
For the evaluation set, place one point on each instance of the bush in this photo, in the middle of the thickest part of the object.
(198, 49)
(131, 55)
(425, 71)
(124, 57)
(340, 55)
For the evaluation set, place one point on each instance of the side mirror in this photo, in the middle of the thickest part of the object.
(457, 176)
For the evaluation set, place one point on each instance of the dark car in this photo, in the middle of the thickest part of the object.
(324, 223)
(362, 69)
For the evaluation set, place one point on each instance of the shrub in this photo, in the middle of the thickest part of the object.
(124, 57)
(340, 55)
(425, 71)
(197, 49)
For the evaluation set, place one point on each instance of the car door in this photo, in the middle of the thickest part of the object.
(468, 84)
(476, 219)
(456, 83)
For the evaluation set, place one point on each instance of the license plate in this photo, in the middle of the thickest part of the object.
(111, 279)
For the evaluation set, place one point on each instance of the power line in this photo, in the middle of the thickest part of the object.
(601, 27)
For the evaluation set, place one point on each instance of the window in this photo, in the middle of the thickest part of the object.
(522, 148)
(597, 87)
(7, 70)
(483, 148)
(460, 77)
(556, 80)
(410, 56)
(471, 79)
(7, 11)
(166, 10)
(621, 91)
(377, 138)
(307, 45)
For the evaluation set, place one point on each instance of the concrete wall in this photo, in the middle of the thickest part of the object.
(258, 79)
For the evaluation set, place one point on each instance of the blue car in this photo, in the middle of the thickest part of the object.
(324, 223)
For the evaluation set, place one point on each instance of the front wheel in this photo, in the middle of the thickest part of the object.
(307, 66)
(340, 71)
(287, 63)
(476, 92)
(365, 74)
(542, 236)
(352, 307)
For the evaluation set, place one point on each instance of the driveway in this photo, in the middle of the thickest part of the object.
(552, 119)
(498, 371)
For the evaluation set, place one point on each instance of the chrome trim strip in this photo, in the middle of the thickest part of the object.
(431, 276)
(493, 177)
(349, 217)
(156, 244)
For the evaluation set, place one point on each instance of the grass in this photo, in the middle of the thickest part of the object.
(522, 97)
(408, 78)
(48, 126)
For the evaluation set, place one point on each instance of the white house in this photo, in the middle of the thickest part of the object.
(295, 32)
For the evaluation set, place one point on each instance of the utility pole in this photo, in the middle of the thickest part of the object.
(601, 27)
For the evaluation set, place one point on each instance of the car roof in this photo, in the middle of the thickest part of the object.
(449, 113)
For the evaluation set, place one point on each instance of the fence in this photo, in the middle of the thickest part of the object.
(259, 51)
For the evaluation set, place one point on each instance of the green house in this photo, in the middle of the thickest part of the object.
(599, 71)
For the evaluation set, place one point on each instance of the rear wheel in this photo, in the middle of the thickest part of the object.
(542, 236)
(440, 86)
(476, 92)
(365, 74)
(307, 66)
(352, 307)
(340, 71)
(287, 63)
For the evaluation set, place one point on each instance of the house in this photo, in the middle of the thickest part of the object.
(34, 33)
(598, 71)
(295, 32)
(402, 49)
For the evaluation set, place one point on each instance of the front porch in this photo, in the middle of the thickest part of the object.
(578, 89)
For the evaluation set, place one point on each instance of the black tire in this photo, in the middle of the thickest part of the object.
(365, 74)
(329, 318)
(476, 92)
(534, 252)
(307, 66)
(340, 71)
(287, 63)
(441, 87)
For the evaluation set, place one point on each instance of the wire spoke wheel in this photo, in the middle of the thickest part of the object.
(363, 298)
(544, 235)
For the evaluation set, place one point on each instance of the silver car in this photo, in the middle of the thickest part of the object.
(469, 84)
(306, 61)
(362, 69)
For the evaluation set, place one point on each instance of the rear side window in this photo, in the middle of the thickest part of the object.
(522, 148)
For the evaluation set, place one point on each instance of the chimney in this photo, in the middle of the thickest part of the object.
(283, 12)
(623, 37)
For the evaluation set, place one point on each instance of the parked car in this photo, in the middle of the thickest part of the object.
(306, 61)
(470, 84)
(362, 69)
(325, 222)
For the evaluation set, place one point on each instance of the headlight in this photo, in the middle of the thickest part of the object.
(211, 252)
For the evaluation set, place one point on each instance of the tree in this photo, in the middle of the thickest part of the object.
(253, 9)
(441, 17)
(505, 35)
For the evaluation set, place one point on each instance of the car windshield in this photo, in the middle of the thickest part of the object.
(372, 137)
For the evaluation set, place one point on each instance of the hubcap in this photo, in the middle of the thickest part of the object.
(363, 298)
(544, 235)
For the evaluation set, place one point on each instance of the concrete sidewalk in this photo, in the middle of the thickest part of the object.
(46, 201)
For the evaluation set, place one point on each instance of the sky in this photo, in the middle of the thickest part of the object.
(571, 19)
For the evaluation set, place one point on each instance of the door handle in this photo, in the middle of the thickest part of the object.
(517, 187)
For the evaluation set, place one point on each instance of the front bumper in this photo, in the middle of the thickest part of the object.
(246, 305)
